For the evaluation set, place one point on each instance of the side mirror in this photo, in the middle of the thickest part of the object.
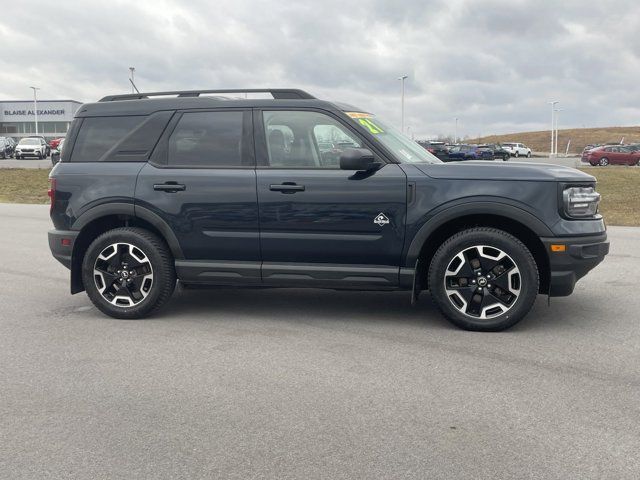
(360, 159)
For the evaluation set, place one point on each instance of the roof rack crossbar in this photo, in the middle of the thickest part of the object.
(278, 93)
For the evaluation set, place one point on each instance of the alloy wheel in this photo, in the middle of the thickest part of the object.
(482, 282)
(123, 274)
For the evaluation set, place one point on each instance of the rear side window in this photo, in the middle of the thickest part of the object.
(98, 134)
(207, 139)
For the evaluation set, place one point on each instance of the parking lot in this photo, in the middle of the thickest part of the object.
(312, 384)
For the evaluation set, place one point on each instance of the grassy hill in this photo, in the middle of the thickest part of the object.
(540, 141)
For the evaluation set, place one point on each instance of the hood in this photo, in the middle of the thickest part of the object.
(485, 170)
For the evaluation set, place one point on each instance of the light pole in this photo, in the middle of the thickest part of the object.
(557, 112)
(132, 70)
(402, 79)
(553, 106)
(35, 105)
(455, 135)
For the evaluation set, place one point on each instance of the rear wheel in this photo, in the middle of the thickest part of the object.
(505, 157)
(517, 154)
(483, 279)
(603, 162)
(128, 272)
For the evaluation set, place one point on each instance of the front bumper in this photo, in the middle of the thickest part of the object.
(579, 257)
(61, 245)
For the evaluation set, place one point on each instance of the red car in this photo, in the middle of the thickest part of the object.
(611, 155)
(54, 143)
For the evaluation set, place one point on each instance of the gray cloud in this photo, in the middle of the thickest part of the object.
(492, 63)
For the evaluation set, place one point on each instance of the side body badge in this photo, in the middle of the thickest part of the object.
(381, 219)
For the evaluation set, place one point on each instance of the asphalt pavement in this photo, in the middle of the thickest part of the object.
(25, 163)
(308, 384)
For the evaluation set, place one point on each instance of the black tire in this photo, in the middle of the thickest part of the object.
(505, 157)
(159, 257)
(528, 154)
(517, 154)
(525, 275)
(603, 162)
(39, 156)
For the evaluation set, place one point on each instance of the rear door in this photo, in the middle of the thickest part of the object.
(320, 225)
(201, 181)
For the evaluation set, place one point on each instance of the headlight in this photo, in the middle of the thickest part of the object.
(580, 202)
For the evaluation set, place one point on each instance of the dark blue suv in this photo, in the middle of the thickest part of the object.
(293, 191)
(470, 152)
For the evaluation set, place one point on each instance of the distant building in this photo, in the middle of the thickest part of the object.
(17, 118)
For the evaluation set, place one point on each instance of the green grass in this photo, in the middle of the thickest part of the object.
(620, 190)
(22, 185)
(619, 186)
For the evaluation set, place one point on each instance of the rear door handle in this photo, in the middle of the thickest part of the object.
(287, 188)
(169, 187)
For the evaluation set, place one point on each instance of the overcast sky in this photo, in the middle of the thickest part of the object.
(494, 64)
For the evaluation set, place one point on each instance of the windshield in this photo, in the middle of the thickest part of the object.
(29, 141)
(402, 147)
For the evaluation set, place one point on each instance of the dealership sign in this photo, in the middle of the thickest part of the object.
(8, 113)
(48, 111)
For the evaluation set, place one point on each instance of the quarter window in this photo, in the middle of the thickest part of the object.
(299, 139)
(207, 139)
(99, 134)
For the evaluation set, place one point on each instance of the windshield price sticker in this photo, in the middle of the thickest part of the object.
(372, 127)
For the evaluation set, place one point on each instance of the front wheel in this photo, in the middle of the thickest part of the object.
(505, 158)
(528, 154)
(128, 273)
(604, 161)
(483, 279)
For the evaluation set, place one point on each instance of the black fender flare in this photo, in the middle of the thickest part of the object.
(123, 208)
(471, 207)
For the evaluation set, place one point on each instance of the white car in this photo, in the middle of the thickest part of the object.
(517, 149)
(32, 147)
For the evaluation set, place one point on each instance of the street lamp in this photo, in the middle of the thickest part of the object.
(557, 112)
(35, 105)
(402, 79)
(553, 106)
(455, 135)
(131, 79)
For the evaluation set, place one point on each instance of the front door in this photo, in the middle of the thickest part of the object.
(201, 181)
(320, 225)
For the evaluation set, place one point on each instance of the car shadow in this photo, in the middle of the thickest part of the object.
(309, 305)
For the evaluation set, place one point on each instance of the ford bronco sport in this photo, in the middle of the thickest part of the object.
(206, 189)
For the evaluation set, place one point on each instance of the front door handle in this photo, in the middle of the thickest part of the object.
(287, 187)
(169, 187)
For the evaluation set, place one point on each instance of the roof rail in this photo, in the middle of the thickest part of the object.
(278, 93)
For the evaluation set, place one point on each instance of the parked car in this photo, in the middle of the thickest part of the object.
(470, 152)
(497, 151)
(232, 206)
(611, 155)
(32, 147)
(517, 149)
(5, 148)
(10, 146)
(57, 152)
(53, 144)
(439, 149)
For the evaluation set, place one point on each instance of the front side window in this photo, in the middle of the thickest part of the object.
(207, 139)
(299, 139)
